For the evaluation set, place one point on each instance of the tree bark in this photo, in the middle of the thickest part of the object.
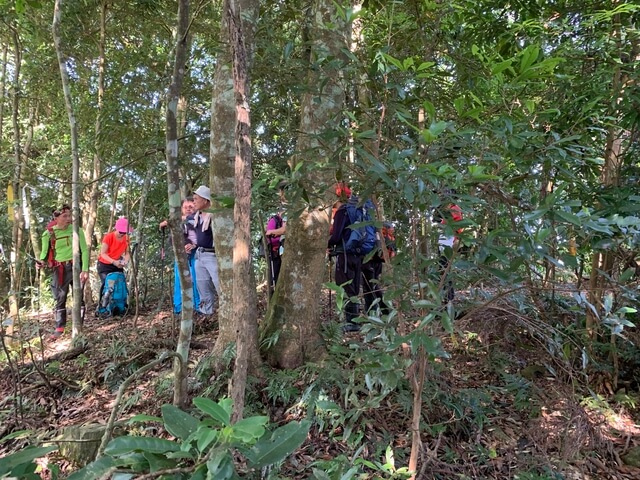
(602, 261)
(292, 317)
(91, 217)
(16, 185)
(222, 173)
(244, 291)
(173, 185)
(5, 278)
(75, 175)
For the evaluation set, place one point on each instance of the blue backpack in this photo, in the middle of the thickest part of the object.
(113, 300)
(363, 237)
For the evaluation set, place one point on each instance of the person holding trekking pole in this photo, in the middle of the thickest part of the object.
(348, 264)
(58, 240)
(189, 232)
(206, 261)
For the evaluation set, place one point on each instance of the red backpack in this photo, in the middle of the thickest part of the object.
(51, 254)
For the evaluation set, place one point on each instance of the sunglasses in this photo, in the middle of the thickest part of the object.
(123, 233)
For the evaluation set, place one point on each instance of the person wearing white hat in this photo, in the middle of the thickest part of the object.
(207, 280)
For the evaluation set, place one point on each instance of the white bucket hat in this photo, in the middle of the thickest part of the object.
(203, 192)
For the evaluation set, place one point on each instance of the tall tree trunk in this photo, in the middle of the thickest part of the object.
(602, 261)
(16, 187)
(5, 277)
(173, 185)
(244, 291)
(292, 317)
(222, 164)
(139, 237)
(3, 86)
(75, 175)
(91, 214)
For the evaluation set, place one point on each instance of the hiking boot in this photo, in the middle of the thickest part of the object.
(57, 333)
(350, 327)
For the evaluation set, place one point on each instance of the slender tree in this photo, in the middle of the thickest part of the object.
(14, 197)
(76, 187)
(173, 185)
(244, 291)
(222, 153)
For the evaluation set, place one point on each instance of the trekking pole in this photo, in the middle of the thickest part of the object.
(330, 309)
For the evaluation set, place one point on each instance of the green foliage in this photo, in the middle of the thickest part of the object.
(21, 464)
(203, 445)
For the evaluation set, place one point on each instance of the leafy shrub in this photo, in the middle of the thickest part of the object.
(202, 448)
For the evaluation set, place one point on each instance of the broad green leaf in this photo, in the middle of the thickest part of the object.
(205, 436)
(220, 466)
(282, 442)
(627, 274)
(319, 475)
(501, 67)
(425, 66)
(598, 226)
(178, 422)
(624, 310)
(249, 429)
(458, 104)
(26, 455)
(215, 410)
(529, 56)
(568, 217)
(17, 434)
(95, 469)
(430, 109)
(144, 418)
(134, 461)
(126, 444)
(535, 215)
(158, 462)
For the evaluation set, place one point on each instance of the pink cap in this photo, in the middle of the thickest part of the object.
(122, 225)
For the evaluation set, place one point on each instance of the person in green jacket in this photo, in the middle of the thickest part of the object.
(59, 237)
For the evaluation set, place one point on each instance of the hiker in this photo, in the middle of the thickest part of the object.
(58, 239)
(348, 265)
(275, 229)
(372, 269)
(447, 214)
(206, 262)
(189, 232)
(114, 252)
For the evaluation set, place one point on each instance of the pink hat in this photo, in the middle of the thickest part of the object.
(122, 225)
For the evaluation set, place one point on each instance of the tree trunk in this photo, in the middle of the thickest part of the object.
(5, 277)
(244, 290)
(139, 237)
(222, 164)
(75, 175)
(602, 261)
(292, 317)
(91, 215)
(16, 186)
(173, 185)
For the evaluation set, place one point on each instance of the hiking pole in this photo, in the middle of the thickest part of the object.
(330, 309)
(272, 280)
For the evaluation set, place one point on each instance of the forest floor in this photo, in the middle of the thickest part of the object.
(500, 407)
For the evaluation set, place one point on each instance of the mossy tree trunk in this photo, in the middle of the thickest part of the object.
(173, 187)
(292, 321)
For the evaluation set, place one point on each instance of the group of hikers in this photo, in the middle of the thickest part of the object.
(354, 242)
